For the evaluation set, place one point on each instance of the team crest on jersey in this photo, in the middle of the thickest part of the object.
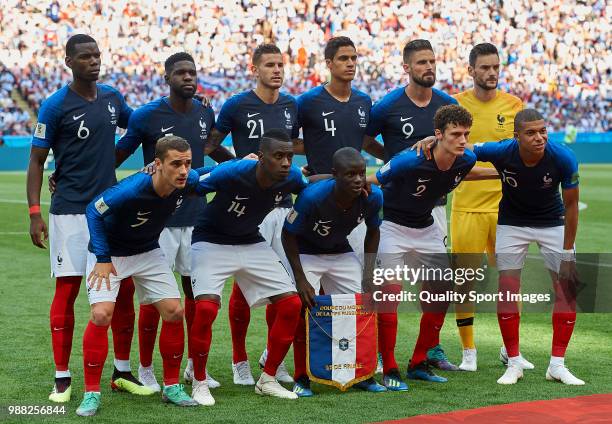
(288, 123)
(547, 179)
(363, 121)
(203, 131)
(179, 202)
(278, 198)
(113, 115)
(101, 206)
(457, 179)
(41, 130)
(501, 120)
(360, 219)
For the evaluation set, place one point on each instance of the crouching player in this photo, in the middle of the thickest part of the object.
(408, 236)
(226, 242)
(125, 222)
(532, 210)
(315, 241)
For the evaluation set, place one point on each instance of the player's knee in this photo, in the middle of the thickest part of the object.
(101, 315)
(172, 311)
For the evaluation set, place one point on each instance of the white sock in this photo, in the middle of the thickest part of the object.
(122, 365)
(557, 361)
(514, 360)
(62, 374)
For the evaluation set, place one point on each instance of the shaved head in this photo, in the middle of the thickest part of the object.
(347, 157)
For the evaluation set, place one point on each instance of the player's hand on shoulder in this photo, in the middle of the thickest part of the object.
(204, 100)
(52, 183)
(306, 292)
(101, 273)
(425, 145)
(149, 168)
(306, 171)
(251, 156)
(38, 231)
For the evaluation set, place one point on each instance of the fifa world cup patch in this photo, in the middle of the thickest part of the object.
(101, 206)
(575, 178)
(41, 130)
(291, 216)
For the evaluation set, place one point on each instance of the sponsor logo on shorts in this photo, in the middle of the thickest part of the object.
(59, 260)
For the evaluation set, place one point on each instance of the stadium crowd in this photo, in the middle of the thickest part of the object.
(554, 54)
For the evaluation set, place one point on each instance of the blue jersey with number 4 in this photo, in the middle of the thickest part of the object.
(530, 194)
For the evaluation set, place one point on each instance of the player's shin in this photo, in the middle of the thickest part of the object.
(563, 317)
(171, 347)
(122, 325)
(281, 335)
(299, 348)
(148, 321)
(201, 335)
(95, 350)
(429, 335)
(508, 313)
(239, 318)
(189, 309)
(387, 328)
(62, 321)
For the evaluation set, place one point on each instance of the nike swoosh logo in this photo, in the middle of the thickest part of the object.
(327, 113)
(241, 198)
(58, 328)
(250, 115)
(423, 181)
(570, 322)
(325, 222)
(75, 117)
(404, 119)
(166, 129)
(142, 213)
(89, 364)
(177, 356)
(508, 172)
(505, 318)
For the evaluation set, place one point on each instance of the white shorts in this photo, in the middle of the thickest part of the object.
(259, 272)
(338, 273)
(175, 242)
(68, 240)
(271, 229)
(153, 278)
(439, 215)
(414, 247)
(512, 244)
(356, 239)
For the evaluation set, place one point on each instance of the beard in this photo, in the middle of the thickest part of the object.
(483, 84)
(423, 82)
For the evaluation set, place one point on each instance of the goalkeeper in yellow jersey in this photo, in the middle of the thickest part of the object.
(475, 203)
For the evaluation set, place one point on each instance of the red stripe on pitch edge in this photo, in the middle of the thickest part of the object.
(366, 342)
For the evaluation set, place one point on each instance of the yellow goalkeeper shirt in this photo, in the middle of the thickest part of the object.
(493, 121)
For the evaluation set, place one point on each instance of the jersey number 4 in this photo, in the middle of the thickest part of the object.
(330, 126)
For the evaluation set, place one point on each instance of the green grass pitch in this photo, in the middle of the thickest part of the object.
(27, 366)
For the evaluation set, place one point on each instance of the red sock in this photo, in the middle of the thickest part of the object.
(287, 313)
(95, 349)
(171, 347)
(429, 336)
(61, 319)
(122, 323)
(508, 315)
(299, 348)
(563, 317)
(189, 314)
(239, 318)
(270, 317)
(387, 329)
(148, 320)
(201, 335)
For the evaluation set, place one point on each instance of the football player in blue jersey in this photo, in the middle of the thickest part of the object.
(531, 210)
(125, 222)
(226, 242)
(78, 122)
(315, 240)
(404, 116)
(181, 115)
(412, 185)
(247, 116)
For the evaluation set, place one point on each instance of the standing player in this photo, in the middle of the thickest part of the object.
(125, 222)
(247, 116)
(475, 203)
(227, 242)
(532, 210)
(314, 237)
(78, 122)
(403, 117)
(181, 115)
(411, 186)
